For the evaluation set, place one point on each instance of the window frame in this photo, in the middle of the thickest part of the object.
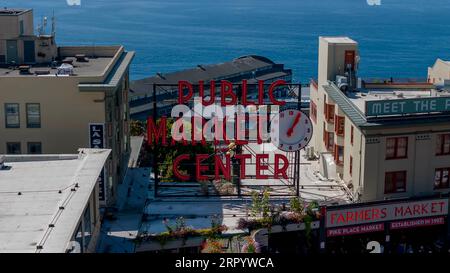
(352, 133)
(6, 115)
(396, 148)
(441, 178)
(338, 127)
(394, 180)
(13, 143)
(442, 138)
(313, 109)
(27, 115)
(329, 113)
(34, 143)
(351, 166)
(337, 156)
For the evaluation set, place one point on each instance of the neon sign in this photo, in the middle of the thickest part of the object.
(221, 115)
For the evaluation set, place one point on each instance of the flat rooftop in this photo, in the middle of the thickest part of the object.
(32, 190)
(99, 60)
(339, 40)
(95, 67)
(12, 11)
(225, 70)
(360, 97)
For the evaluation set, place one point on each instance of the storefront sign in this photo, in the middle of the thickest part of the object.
(418, 223)
(355, 230)
(407, 106)
(97, 141)
(386, 212)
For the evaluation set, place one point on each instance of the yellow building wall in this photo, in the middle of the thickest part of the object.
(65, 113)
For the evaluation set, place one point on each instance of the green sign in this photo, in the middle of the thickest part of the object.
(407, 106)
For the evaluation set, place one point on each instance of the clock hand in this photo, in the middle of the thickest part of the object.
(291, 130)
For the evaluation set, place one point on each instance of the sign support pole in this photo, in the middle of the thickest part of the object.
(155, 161)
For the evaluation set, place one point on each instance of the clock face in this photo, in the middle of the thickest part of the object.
(291, 130)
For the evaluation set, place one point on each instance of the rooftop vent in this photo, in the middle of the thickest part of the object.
(342, 83)
(81, 58)
(65, 69)
(41, 72)
(25, 69)
(67, 61)
(54, 65)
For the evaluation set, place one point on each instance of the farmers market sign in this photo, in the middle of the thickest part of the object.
(386, 212)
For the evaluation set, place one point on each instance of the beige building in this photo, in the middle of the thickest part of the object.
(49, 203)
(439, 73)
(57, 99)
(384, 139)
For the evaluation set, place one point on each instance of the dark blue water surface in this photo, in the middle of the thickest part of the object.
(399, 38)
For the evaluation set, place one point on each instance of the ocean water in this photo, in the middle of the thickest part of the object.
(399, 38)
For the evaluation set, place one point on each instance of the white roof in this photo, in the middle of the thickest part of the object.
(32, 190)
(339, 40)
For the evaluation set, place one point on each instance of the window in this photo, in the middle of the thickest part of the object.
(351, 134)
(329, 115)
(339, 125)
(13, 148)
(12, 116)
(441, 180)
(328, 138)
(34, 148)
(350, 59)
(395, 182)
(87, 226)
(351, 166)
(339, 154)
(314, 112)
(396, 147)
(21, 27)
(78, 237)
(33, 115)
(443, 144)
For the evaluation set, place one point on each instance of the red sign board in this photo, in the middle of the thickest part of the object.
(396, 211)
(355, 230)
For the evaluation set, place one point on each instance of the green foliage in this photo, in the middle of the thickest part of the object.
(256, 204)
(296, 205)
(181, 231)
(260, 204)
(165, 155)
(137, 128)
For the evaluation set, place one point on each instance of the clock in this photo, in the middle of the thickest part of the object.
(290, 130)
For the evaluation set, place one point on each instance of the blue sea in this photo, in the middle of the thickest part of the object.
(398, 38)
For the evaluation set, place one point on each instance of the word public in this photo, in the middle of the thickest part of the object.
(228, 96)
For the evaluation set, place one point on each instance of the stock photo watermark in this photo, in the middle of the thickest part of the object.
(373, 2)
(73, 2)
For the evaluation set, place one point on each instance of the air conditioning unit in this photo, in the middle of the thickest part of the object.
(342, 83)
(65, 69)
(310, 153)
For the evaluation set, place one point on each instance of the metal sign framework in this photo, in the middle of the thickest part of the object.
(165, 96)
